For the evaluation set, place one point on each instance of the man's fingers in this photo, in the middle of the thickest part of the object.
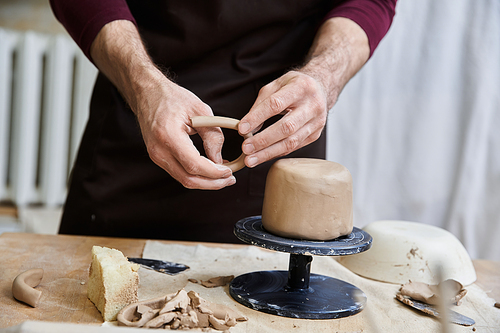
(193, 177)
(302, 100)
(301, 138)
(188, 156)
(213, 140)
(285, 127)
(273, 101)
(177, 171)
(199, 182)
(180, 148)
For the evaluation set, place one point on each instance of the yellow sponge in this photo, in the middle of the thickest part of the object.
(113, 281)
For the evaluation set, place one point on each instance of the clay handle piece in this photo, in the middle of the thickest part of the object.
(224, 122)
(23, 287)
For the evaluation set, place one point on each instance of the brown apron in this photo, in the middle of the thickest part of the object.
(224, 52)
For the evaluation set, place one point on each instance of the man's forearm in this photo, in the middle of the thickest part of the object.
(163, 109)
(338, 52)
(306, 94)
(119, 53)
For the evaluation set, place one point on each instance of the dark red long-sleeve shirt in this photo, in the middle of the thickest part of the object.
(84, 19)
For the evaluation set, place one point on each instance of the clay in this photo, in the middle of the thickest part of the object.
(189, 319)
(23, 286)
(219, 324)
(178, 302)
(218, 281)
(224, 122)
(203, 321)
(218, 310)
(181, 310)
(176, 324)
(430, 293)
(145, 314)
(308, 199)
(133, 315)
(142, 309)
(161, 320)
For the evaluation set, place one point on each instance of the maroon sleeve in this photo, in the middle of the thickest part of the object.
(84, 19)
(373, 16)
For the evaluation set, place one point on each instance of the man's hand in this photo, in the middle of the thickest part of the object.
(166, 126)
(338, 52)
(163, 109)
(304, 102)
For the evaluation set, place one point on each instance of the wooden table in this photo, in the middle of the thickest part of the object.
(66, 259)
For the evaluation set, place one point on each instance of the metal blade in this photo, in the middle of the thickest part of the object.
(455, 317)
(161, 266)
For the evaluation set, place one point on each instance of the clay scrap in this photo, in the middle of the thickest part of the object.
(23, 286)
(218, 281)
(182, 310)
(430, 293)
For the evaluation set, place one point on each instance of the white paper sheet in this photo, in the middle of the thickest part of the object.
(381, 311)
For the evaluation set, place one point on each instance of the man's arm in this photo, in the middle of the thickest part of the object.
(163, 109)
(339, 50)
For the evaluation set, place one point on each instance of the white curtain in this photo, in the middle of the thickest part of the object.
(419, 125)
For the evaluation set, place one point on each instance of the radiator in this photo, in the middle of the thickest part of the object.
(45, 87)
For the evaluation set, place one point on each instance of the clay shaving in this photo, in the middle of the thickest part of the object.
(218, 281)
(430, 293)
(182, 310)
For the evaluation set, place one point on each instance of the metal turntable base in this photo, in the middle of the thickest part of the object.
(297, 293)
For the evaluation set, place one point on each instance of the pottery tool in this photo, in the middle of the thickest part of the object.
(297, 293)
(167, 267)
(453, 316)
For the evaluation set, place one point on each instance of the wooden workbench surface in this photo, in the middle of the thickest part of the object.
(66, 259)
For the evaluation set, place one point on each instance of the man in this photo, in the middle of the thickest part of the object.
(276, 65)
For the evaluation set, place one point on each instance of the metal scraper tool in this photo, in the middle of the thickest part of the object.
(167, 267)
(454, 317)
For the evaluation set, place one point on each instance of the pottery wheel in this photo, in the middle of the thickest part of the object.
(297, 293)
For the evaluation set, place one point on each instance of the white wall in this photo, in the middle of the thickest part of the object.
(418, 127)
(33, 15)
